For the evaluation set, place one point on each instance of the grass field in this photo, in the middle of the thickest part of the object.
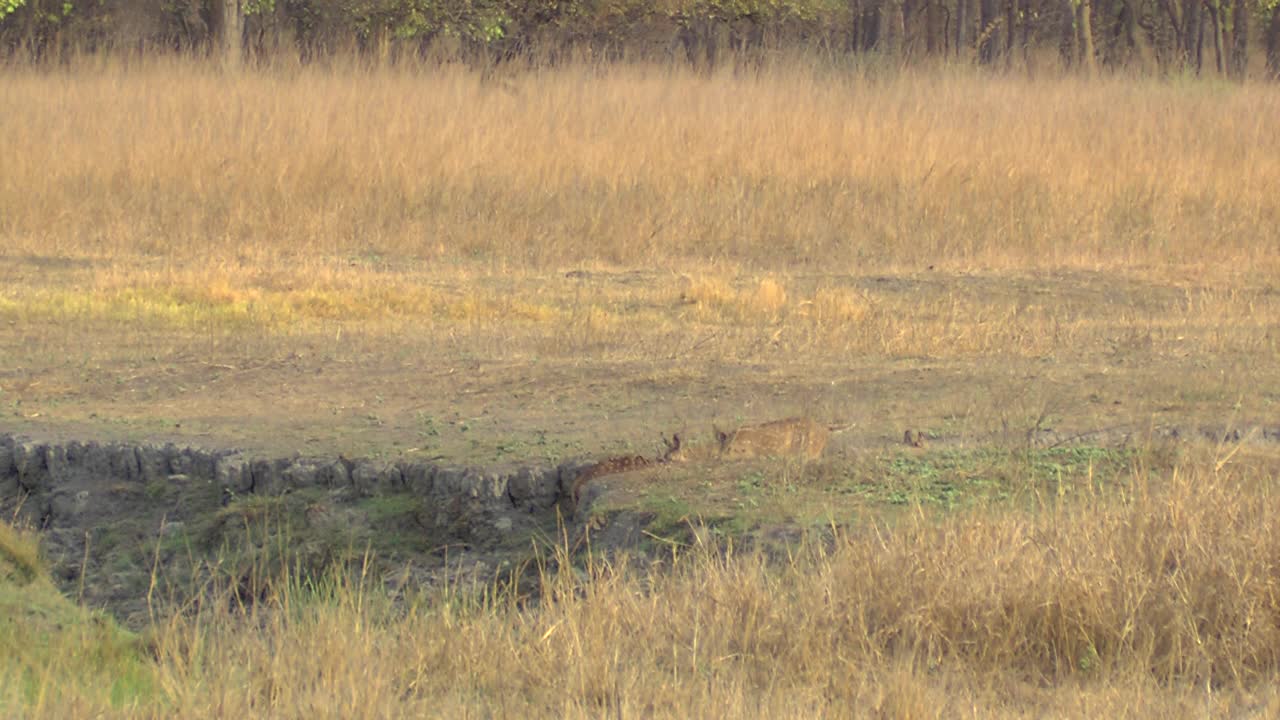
(541, 265)
(257, 258)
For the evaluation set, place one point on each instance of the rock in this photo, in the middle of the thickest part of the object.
(333, 475)
(92, 459)
(124, 463)
(74, 452)
(232, 473)
(154, 462)
(55, 464)
(300, 474)
(371, 477)
(418, 477)
(196, 463)
(590, 493)
(8, 472)
(567, 473)
(487, 486)
(448, 482)
(268, 476)
(6, 455)
(29, 460)
(532, 489)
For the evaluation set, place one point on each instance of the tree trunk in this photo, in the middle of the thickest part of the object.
(1186, 27)
(1127, 33)
(962, 36)
(987, 44)
(1240, 40)
(934, 36)
(1177, 23)
(1216, 21)
(1084, 24)
(1010, 30)
(895, 31)
(230, 33)
(853, 43)
(1026, 33)
(1273, 44)
(1195, 34)
(1067, 45)
(873, 22)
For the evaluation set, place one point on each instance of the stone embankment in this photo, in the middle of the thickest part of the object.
(56, 482)
(112, 515)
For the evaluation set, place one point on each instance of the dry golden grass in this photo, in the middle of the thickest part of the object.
(161, 222)
(638, 166)
(170, 198)
(651, 317)
(1154, 600)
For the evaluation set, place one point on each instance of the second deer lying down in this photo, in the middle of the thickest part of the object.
(793, 437)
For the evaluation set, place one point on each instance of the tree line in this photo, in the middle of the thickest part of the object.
(1200, 36)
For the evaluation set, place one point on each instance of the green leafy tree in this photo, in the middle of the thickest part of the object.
(9, 7)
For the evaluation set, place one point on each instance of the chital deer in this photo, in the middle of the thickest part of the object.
(793, 437)
(608, 466)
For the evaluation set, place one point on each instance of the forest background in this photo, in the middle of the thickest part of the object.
(1166, 36)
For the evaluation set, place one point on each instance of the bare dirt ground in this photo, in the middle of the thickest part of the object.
(1122, 358)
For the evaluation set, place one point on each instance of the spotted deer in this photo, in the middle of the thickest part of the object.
(608, 466)
(792, 437)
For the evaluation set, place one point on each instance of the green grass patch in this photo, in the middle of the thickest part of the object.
(56, 652)
(736, 500)
(949, 479)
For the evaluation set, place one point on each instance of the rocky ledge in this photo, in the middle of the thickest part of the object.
(112, 514)
(54, 482)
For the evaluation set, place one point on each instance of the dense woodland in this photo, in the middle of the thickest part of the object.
(1232, 38)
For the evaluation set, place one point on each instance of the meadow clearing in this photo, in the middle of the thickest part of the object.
(1068, 286)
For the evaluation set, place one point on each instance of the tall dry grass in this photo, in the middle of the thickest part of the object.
(637, 165)
(442, 202)
(1159, 600)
